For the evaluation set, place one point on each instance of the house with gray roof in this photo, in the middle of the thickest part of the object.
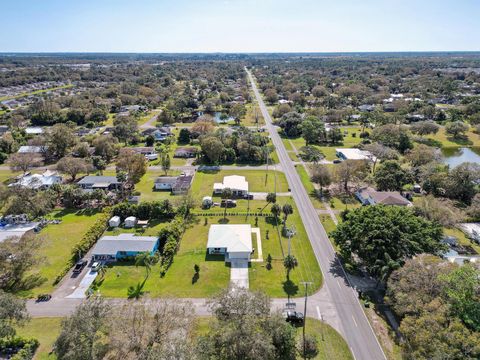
(99, 182)
(112, 248)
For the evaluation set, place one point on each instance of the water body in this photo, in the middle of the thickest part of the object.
(218, 117)
(454, 157)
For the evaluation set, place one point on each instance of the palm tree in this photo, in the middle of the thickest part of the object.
(290, 262)
(145, 259)
(227, 194)
(287, 210)
(102, 270)
(135, 292)
(271, 198)
(276, 210)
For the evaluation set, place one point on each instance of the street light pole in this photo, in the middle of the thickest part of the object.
(306, 283)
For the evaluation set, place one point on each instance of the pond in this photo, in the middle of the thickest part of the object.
(218, 117)
(454, 157)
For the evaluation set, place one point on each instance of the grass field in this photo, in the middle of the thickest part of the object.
(58, 242)
(329, 151)
(309, 187)
(258, 181)
(36, 92)
(214, 273)
(446, 141)
(45, 330)
(330, 343)
(249, 119)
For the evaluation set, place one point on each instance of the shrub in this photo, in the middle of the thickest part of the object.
(25, 347)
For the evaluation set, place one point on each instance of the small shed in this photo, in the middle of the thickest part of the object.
(114, 221)
(130, 222)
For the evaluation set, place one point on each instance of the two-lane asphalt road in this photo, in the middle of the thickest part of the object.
(354, 324)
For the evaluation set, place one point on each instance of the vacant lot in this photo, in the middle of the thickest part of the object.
(444, 140)
(45, 330)
(331, 345)
(58, 242)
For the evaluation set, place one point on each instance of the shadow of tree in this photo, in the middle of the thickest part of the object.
(290, 287)
(195, 278)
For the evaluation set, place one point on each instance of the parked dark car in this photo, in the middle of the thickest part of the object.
(43, 297)
(293, 317)
(79, 266)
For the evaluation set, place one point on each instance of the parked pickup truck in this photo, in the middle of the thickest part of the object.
(79, 266)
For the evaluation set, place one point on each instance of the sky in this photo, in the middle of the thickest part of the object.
(239, 25)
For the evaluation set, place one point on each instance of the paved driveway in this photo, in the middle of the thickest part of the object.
(79, 292)
(239, 273)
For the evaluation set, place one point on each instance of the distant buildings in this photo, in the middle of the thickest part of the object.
(26, 149)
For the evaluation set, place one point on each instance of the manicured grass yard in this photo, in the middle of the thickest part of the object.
(58, 242)
(257, 181)
(45, 330)
(462, 238)
(214, 273)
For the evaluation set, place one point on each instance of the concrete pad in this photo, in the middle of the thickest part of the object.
(79, 292)
(239, 273)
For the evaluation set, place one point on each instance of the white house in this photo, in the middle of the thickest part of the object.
(236, 183)
(39, 181)
(354, 154)
(234, 241)
(26, 149)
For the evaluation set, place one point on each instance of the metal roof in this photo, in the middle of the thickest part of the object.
(111, 245)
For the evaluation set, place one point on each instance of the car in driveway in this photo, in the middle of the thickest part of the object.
(95, 266)
(79, 266)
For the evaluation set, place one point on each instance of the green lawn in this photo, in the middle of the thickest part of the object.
(58, 242)
(45, 330)
(309, 187)
(109, 121)
(331, 345)
(214, 273)
(146, 185)
(258, 181)
(446, 141)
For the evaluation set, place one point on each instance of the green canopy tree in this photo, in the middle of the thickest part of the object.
(383, 237)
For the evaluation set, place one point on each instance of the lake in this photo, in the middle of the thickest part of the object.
(454, 157)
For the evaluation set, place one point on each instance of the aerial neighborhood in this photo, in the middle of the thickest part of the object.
(331, 202)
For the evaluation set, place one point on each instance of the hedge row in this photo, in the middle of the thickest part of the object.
(88, 240)
(170, 237)
(233, 214)
(25, 347)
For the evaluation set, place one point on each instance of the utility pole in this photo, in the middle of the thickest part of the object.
(306, 283)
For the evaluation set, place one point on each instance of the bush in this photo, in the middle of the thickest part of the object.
(169, 238)
(25, 348)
